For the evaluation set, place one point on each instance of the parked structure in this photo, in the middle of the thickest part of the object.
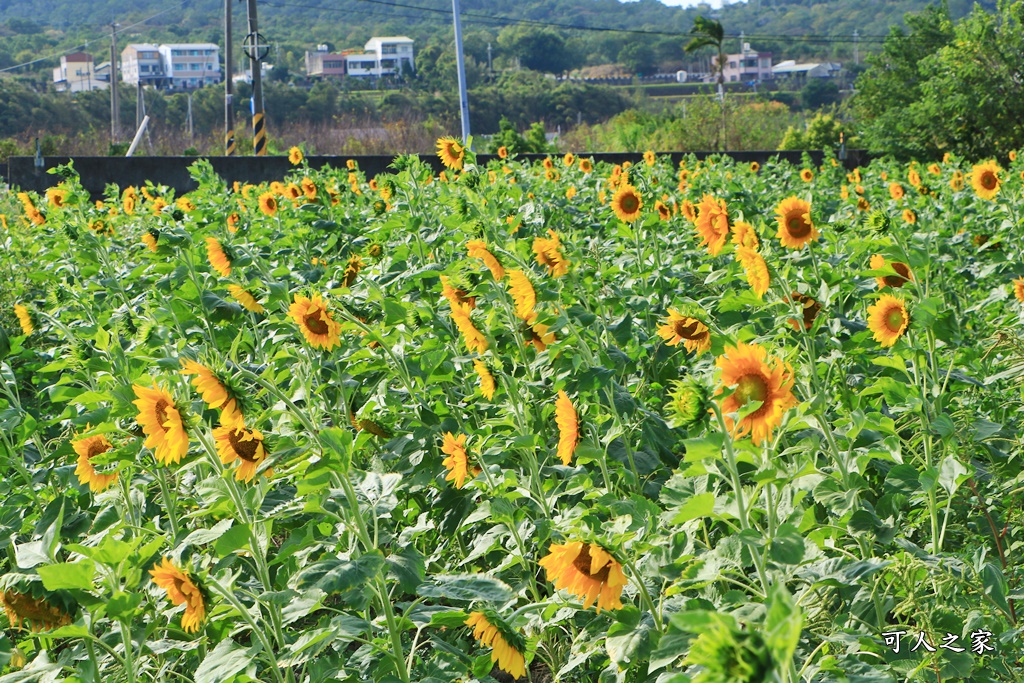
(141, 63)
(790, 69)
(747, 66)
(77, 73)
(388, 56)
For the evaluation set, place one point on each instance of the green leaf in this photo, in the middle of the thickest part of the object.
(482, 665)
(67, 576)
(339, 442)
(231, 540)
(629, 643)
(700, 505)
(708, 447)
(224, 661)
(788, 545)
(122, 605)
(450, 619)
(335, 575)
(5, 349)
(465, 587)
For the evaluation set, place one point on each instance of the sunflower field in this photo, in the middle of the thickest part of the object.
(559, 421)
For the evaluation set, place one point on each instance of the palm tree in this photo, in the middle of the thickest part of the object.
(709, 33)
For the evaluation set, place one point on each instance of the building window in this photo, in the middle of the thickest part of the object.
(180, 67)
(389, 49)
(177, 53)
(387, 63)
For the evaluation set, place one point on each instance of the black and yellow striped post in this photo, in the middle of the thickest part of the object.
(229, 143)
(259, 135)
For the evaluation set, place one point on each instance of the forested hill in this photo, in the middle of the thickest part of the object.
(29, 28)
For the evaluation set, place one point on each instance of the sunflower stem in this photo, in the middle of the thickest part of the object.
(165, 494)
(126, 639)
(645, 595)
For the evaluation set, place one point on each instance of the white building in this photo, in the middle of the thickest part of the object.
(142, 63)
(191, 65)
(77, 73)
(382, 57)
(790, 69)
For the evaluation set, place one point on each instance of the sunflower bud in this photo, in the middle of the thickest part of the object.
(687, 403)
(924, 190)
(879, 221)
(379, 207)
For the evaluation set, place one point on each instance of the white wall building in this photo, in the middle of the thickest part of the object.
(790, 68)
(393, 54)
(142, 63)
(77, 73)
(191, 65)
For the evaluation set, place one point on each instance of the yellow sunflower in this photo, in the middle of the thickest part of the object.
(317, 325)
(901, 277)
(215, 394)
(150, 239)
(487, 383)
(810, 307)
(217, 258)
(664, 212)
(295, 156)
(626, 203)
(538, 336)
(247, 300)
(37, 613)
(185, 204)
(649, 157)
(691, 332)
(503, 152)
(352, 268)
(745, 368)
(478, 249)
(806, 175)
(985, 179)
(587, 571)
(548, 252)
(456, 296)
(745, 235)
(1018, 289)
(245, 445)
(457, 462)
(712, 223)
(909, 216)
(863, 204)
(523, 295)
(181, 590)
(161, 423)
(888, 319)
(755, 268)
(586, 165)
(689, 210)
(913, 177)
(568, 427)
(795, 226)
(87, 448)
(754, 167)
(956, 182)
(57, 197)
(308, 188)
(569, 159)
(268, 204)
(896, 191)
(471, 336)
(1012, 156)
(507, 645)
(24, 319)
(451, 152)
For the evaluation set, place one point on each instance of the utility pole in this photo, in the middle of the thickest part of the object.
(229, 114)
(856, 47)
(259, 131)
(461, 60)
(191, 132)
(115, 104)
(140, 105)
(490, 71)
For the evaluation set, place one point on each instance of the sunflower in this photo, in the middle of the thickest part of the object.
(247, 300)
(161, 423)
(687, 403)
(985, 179)
(451, 152)
(754, 167)
(129, 199)
(568, 427)
(150, 239)
(57, 196)
(626, 203)
(523, 295)
(795, 226)
(234, 442)
(863, 204)
(913, 177)
(664, 212)
(457, 462)
(1018, 289)
(292, 191)
(586, 165)
(806, 175)
(548, 252)
(24, 319)
(268, 204)
(487, 383)
(569, 159)
(548, 164)
(745, 235)
(37, 612)
(909, 216)
(232, 222)
(888, 319)
(159, 204)
(87, 448)
(538, 336)
(1012, 156)
(844, 192)
(902, 275)
(691, 332)
(649, 157)
(712, 223)
(478, 249)
(810, 307)
(507, 645)
(308, 188)
(956, 182)
(503, 152)
(185, 204)
(295, 156)
(689, 210)
(217, 258)
(745, 367)
(215, 394)
(181, 590)
(352, 268)
(350, 164)
(317, 325)
(587, 571)
(471, 336)
(896, 191)
(755, 269)
(456, 296)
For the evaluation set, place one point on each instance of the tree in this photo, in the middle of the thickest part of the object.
(638, 58)
(709, 33)
(818, 93)
(537, 49)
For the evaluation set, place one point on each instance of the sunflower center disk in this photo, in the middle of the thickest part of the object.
(751, 388)
(161, 412)
(582, 563)
(894, 319)
(97, 448)
(988, 181)
(797, 227)
(629, 204)
(246, 450)
(315, 324)
(688, 329)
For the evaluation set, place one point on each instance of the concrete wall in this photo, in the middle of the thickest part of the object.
(97, 172)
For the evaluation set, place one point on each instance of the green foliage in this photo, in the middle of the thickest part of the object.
(947, 87)
(534, 142)
(821, 132)
(638, 58)
(540, 49)
(818, 93)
